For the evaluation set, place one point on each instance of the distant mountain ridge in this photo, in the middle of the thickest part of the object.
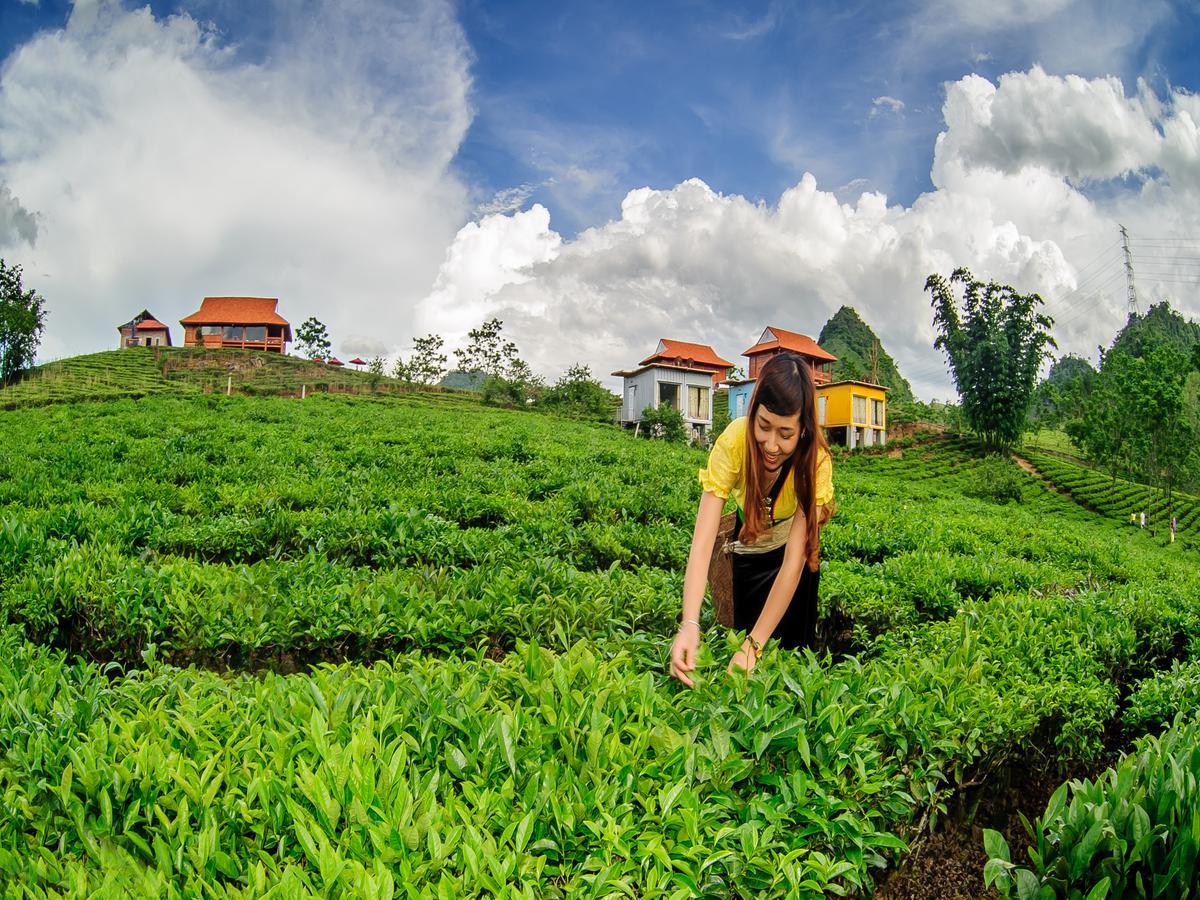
(861, 355)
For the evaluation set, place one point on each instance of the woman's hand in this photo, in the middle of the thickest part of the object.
(743, 662)
(683, 652)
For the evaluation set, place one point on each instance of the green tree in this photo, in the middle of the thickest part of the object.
(22, 321)
(995, 347)
(519, 387)
(1059, 397)
(312, 339)
(664, 422)
(578, 395)
(1139, 419)
(487, 351)
(427, 364)
(375, 372)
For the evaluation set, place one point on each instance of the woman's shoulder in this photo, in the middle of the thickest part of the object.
(734, 433)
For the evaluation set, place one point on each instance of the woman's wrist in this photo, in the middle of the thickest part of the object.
(695, 622)
(755, 648)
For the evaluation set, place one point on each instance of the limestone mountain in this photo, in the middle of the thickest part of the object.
(861, 355)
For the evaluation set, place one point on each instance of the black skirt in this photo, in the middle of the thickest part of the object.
(753, 576)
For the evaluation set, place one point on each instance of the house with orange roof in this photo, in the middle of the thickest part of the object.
(853, 413)
(679, 373)
(144, 330)
(244, 323)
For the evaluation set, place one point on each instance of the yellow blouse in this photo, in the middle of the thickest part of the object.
(725, 476)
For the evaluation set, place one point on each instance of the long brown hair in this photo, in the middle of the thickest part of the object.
(785, 387)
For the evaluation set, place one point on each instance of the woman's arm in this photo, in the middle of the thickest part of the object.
(795, 556)
(683, 650)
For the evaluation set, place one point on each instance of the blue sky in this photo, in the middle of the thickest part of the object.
(578, 103)
(488, 138)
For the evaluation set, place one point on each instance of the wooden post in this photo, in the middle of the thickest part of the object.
(229, 387)
(303, 390)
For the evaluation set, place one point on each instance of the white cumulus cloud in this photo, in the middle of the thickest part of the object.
(162, 165)
(1012, 201)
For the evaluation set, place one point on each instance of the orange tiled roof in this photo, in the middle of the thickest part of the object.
(701, 355)
(790, 340)
(236, 311)
(151, 325)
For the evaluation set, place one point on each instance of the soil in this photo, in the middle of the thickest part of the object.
(948, 864)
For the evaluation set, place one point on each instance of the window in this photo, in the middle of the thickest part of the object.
(697, 402)
(821, 410)
(256, 332)
(860, 409)
(234, 332)
(210, 329)
(741, 404)
(877, 413)
(668, 393)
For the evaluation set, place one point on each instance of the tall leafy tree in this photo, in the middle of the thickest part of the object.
(487, 351)
(1140, 418)
(995, 346)
(1061, 394)
(22, 321)
(312, 338)
(427, 364)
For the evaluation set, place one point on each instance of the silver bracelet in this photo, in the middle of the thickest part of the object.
(690, 622)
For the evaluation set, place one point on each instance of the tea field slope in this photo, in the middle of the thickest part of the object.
(514, 582)
(140, 372)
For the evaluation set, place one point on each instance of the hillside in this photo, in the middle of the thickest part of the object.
(142, 372)
(860, 354)
(497, 592)
(1158, 325)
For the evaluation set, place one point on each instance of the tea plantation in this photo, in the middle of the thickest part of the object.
(398, 646)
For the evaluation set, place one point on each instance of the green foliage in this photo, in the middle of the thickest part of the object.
(520, 388)
(312, 339)
(375, 372)
(515, 580)
(1159, 326)
(995, 347)
(1129, 833)
(22, 320)
(1060, 397)
(427, 364)
(1158, 700)
(488, 352)
(664, 422)
(861, 355)
(997, 479)
(1140, 419)
(579, 396)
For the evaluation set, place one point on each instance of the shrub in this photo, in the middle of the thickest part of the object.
(997, 480)
(665, 422)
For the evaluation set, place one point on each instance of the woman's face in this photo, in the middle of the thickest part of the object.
(776, 436)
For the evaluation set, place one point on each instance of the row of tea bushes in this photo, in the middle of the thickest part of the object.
(547, 774)
(1132, 832)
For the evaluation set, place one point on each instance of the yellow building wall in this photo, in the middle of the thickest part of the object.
(839, 404)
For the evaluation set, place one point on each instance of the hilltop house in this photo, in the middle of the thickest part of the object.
(143, 330)
(679, 373)
(775, 340)
(853, 413)
(245, 323)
